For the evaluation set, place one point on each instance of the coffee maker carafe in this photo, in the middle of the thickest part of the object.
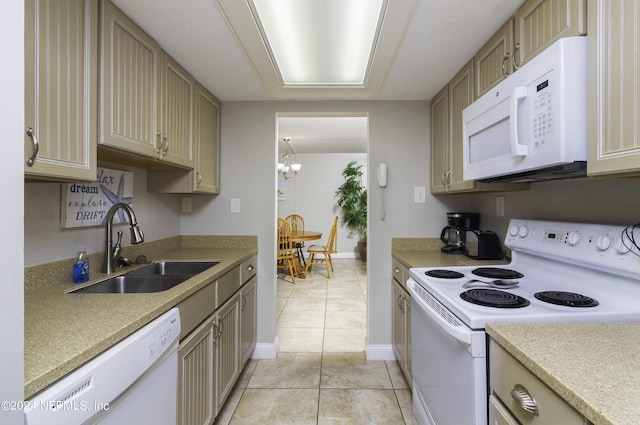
(454, 234)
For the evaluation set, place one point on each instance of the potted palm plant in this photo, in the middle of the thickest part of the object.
(352, 199)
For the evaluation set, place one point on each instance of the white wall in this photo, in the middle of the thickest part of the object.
(312, 195)
(11, 224)
(398, 135)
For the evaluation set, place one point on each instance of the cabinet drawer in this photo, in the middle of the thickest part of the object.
(196, 308)
(399, 271)
(228, 285)
(249, 268)
(506, 372)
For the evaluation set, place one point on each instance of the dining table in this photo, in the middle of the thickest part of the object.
(302, 236)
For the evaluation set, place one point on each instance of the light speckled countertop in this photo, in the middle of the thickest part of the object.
(593, 366)
(63, 331)
(425, 252)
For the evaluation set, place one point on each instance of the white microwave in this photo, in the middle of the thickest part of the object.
(533, 125)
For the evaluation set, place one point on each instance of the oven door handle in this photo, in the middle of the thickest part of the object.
(451, 325)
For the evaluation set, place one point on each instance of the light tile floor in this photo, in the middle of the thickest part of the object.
(320, 376)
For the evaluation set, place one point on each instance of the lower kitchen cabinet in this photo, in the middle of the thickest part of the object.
(228, 348)
(401, 324)
(213, 354)
(248, 319)
(401, 319)
(196, 375)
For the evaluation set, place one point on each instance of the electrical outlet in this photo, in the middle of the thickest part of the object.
(186, 205)
(235, 205)
(500, 206)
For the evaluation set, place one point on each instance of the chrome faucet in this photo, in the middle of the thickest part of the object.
(110, 255)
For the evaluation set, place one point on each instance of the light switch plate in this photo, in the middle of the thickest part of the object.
(419, 195)
(235, 205)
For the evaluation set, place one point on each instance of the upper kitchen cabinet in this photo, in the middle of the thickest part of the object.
(536, 25)
(494, 61)
(177, 104)
(440, 141)
(539, 23)
(205, 177)
(61, 40)
(613, 87)
(146, 98)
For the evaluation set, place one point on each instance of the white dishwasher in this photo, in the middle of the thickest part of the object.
(135, 381)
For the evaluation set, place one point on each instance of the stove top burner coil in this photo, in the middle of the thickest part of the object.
(497, 273)
(444, 274)
(494, 298)
(568, 299)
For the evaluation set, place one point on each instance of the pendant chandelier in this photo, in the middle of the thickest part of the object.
(285, 167)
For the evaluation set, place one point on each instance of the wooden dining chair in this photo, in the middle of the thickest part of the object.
(296, 223)
(286, 251)
(324, 250)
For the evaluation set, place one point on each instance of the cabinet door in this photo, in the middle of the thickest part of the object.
(407, 330)
(227, 348)
(176, 107)
(61, 89)
(614, 89)
(129, 85)
(539, 23)
(248, 306)
(494, 60)
(461, 95)
(207, 142)
(397, 323)
(440, 141)
(196, 373)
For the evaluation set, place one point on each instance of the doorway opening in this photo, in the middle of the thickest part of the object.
(331, 312)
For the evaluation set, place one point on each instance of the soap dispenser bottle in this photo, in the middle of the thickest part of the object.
(81, 267)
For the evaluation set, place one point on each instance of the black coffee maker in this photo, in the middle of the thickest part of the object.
(454, 234)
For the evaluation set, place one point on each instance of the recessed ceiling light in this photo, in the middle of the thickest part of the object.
(320, 43)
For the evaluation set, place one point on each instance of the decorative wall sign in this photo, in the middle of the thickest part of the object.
(86, 204)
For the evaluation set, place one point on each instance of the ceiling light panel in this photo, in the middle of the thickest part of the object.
(320, 43)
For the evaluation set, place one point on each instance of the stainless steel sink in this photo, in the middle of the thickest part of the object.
(174, 268)
(156, 277)
(128, 284)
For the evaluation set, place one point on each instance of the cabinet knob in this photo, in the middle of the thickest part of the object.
(36, 147)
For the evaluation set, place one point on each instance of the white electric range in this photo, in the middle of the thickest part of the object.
(561, 272)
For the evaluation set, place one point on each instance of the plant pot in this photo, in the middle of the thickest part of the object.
(362, 250)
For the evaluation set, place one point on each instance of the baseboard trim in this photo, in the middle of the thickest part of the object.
(380, 352)
(266, 351)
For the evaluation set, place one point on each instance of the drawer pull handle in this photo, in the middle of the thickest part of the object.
(524, 399)
(250, 268)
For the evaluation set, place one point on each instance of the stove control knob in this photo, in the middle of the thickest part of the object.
(573, 238)
(604, 243)
(622, 248)
(514, 230)
(523, 232)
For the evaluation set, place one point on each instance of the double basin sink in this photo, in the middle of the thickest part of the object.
(156, 277)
